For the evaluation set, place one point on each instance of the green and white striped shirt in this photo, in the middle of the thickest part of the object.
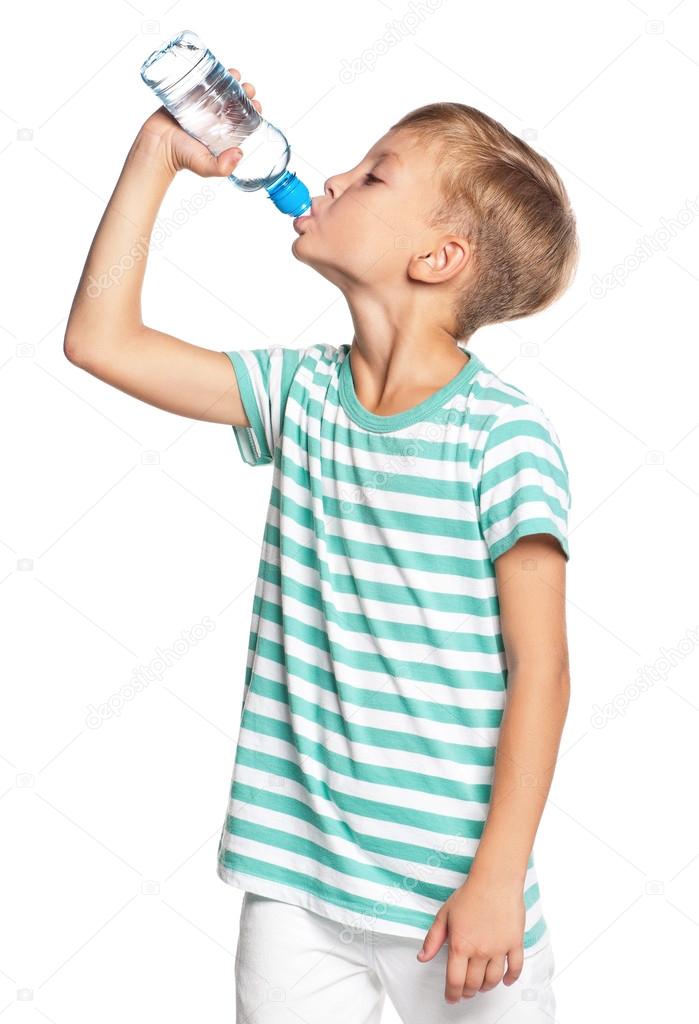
(376, 674)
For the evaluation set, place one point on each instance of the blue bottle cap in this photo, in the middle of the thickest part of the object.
(290, 195)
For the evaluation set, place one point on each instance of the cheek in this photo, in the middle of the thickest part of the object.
(365, 227)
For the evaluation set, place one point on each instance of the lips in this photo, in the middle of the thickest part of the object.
(298, 221)
(308, 215)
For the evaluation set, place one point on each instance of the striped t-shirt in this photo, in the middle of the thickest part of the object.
(376, 673)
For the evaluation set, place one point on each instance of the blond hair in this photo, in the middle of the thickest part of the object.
(511, 205)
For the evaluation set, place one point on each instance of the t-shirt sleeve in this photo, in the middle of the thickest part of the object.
(524, 485)
(264, 377)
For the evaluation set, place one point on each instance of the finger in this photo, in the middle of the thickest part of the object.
(493, 973)
(457, 965)
(434, 940)
(250, 91)
(515, 963)
(475, 974)
(227, 160)
(209, 166)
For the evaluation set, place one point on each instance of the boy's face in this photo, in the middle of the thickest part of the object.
(365, 231)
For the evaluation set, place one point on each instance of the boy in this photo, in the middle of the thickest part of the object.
(407, 678)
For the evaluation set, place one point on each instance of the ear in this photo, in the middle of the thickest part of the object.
(450, 256)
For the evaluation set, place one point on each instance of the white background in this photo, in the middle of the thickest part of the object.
(123, 525)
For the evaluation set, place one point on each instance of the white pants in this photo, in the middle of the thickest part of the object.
(294, 966)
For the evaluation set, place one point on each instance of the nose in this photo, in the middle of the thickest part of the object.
(329, 188)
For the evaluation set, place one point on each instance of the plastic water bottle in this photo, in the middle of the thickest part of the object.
(212, 106)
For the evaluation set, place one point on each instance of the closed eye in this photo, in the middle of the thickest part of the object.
(371, 178)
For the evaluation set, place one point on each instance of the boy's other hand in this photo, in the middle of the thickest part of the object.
(181, 151)
(483, 923)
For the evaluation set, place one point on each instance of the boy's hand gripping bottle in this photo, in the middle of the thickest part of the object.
(212, 106)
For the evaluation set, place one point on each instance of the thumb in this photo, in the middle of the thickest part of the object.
(226, 161)
(195, 156)
(434, 939)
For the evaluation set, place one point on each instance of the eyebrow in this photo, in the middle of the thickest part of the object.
(389, 152)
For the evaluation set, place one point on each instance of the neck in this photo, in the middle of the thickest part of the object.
(400, 356)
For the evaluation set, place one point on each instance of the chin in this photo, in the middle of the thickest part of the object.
(298, 247)
(299, 255)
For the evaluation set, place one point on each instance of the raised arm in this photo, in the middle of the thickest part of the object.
(105, 334)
